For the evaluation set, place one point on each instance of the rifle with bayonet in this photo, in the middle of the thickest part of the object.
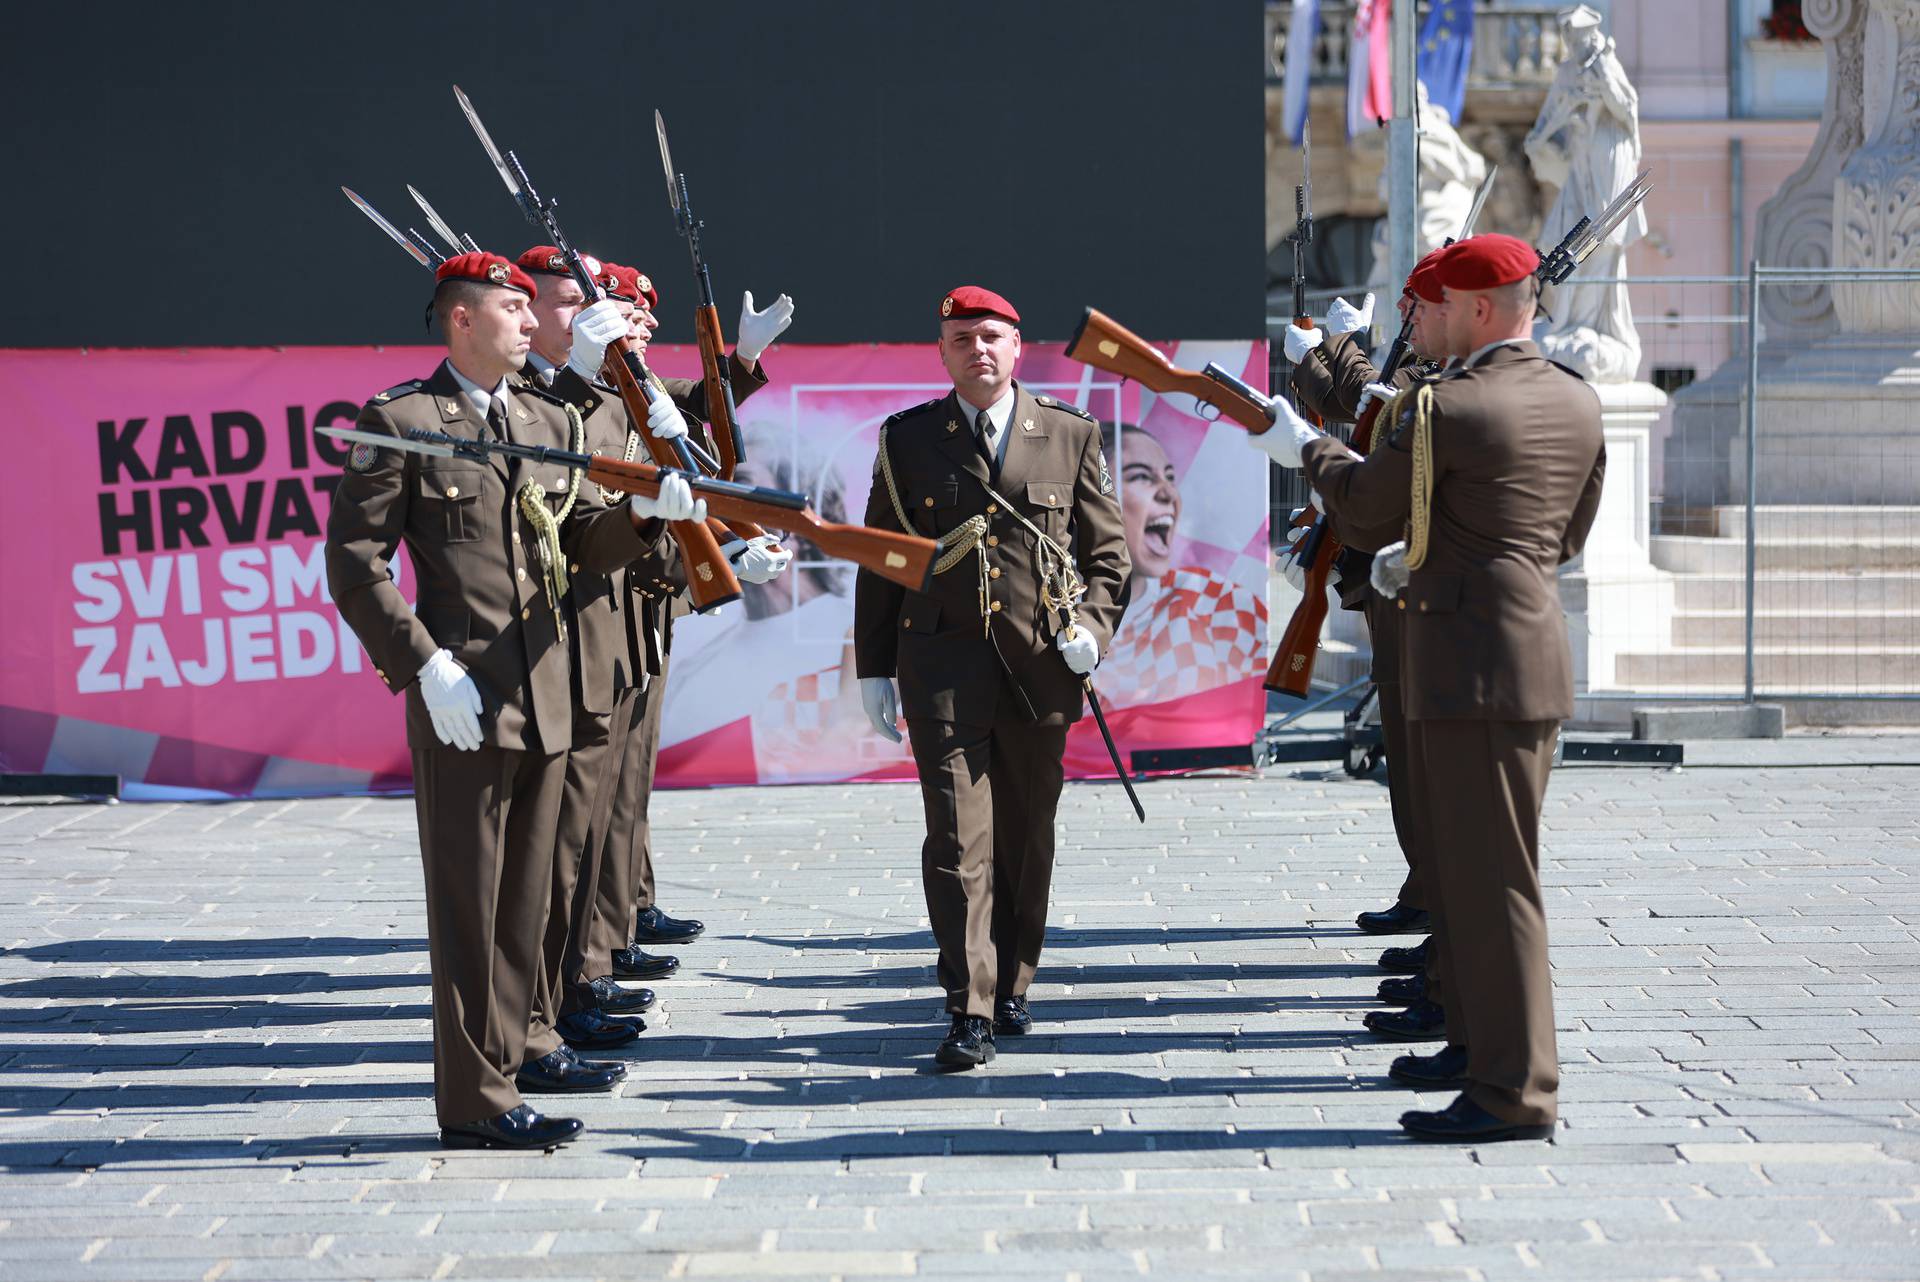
(461, 243)
(417, 247)
(1590, 233)
(905, 559)
(722, 412)
(710, 578)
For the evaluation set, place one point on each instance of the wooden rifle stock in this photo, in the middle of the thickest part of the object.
(1291, 671)
(1106, 344)
(710, 579)
(905, 559)
(721, 413)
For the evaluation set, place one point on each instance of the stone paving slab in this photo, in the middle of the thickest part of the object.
(214, 1059)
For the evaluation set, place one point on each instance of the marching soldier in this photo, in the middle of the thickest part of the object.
(484, 663)
(991, 659)
(1338, 380)
(1497, 469)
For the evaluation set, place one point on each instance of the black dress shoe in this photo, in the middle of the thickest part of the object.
(631, 963)
(518, 1127)
(1402, 961)
(1397, 920)
(589, 1030)
(1465, 1122)
(651, 926)
(1011, 1018)
(561, 1071)
(615, 1000)
(969, 1043)
(1403, 990)
(1446, 1067)
(1423, 1021)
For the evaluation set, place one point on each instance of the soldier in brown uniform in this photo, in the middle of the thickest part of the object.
(619, 654)
(1497, 469)
(1338, 380)
(485, 667)
(991, 659)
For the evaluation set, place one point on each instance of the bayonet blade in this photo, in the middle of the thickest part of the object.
(486, 140)
(385, 442)
(1613, 215)
(1479, 202)
(435, 221)
(666, 160)
(399, 237)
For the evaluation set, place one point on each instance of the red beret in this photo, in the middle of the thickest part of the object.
(547, 260)
(971, 300)
(1424, 282)
(630, 283)
(490, 269)
(1487, 262)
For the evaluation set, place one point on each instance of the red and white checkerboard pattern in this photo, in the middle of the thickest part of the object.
(1200, 631)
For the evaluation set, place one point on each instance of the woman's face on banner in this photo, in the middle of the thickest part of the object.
(1149, 503)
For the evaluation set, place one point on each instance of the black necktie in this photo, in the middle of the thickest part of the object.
(983, 430)
(497, 416)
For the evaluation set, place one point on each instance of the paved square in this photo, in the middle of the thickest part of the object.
(214, 1055)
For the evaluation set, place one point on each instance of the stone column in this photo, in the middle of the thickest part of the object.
(1876, 197)
(1795, 227)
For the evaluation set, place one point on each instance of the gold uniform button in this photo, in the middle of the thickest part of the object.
(906, 623)
(516, 536)
(1401, 604)
(991, 509)
(993, 540)
(995, 607)
(520, 574)
(574, 568)
(929, 501)
(1423, 607)
(380, 673)
(526, 613)
(994, 573)
(453, 491)
(1051, 500)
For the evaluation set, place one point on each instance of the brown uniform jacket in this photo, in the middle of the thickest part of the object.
(1331, 377)
(474, 558)
(1518, 460)
(949, 664)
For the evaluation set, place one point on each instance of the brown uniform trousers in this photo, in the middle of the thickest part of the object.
(1329, 381)
(620, 658)
(988, 701)
(1517, 465)
(486, 817)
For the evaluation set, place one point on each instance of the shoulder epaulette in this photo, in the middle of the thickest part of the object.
(534, 389)
(1566, 369)
(407, 388)
(1048, 402)
(921, 408)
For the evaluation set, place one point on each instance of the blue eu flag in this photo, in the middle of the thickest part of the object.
(1446, 48)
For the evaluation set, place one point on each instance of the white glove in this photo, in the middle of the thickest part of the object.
(1389, 573)
(759, 329)
(1343, 317)
(882, 704)
(1078, 648)
(1290, 568)
(453, 701)
(1382, 392)
(756, 560)
(674, 502)
(664, 421)
(1298, 342)
(1286, 438)
(594, 329)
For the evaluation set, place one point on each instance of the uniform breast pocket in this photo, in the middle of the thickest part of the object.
(931, 503)
(1048, 503)
(450, 503)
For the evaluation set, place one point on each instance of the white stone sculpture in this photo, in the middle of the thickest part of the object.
(1450, 171)
(1586, 141)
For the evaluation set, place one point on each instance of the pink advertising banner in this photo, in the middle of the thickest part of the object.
(168, 619)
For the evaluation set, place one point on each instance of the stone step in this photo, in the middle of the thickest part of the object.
(1813, 669)
(1799, 593)
(1851, 628)
(1818, 521)
(1691, 554)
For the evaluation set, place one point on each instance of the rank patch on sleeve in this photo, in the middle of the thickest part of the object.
(363, 457)
(1106, 477)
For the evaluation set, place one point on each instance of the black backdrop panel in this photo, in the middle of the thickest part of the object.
(177, 166)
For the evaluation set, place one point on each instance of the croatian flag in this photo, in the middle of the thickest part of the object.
(1302, 30)
(1446, 49)
(1380, 58)
(1358, 66)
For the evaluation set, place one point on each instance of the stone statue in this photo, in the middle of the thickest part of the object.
(1450, 171)
(1587, 142)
